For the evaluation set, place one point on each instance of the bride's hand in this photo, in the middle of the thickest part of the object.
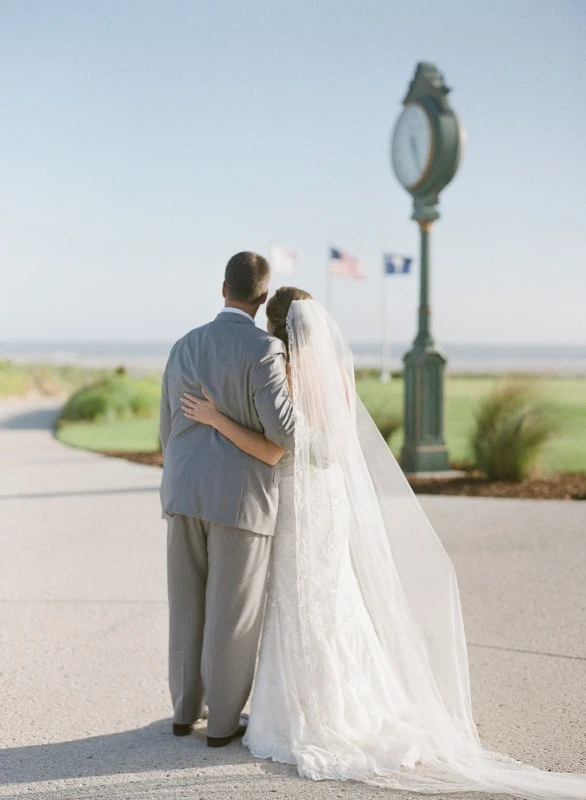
(198, 410)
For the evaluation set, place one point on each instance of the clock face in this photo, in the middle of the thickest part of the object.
(412, 146)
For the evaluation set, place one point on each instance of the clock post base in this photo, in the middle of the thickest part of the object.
(424, 448)
(424, 458)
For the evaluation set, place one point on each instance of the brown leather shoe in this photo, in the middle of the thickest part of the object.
(214, 741)
(181, 730)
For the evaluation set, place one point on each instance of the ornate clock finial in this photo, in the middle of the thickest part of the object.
(428, 80)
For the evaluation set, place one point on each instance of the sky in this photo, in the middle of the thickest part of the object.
(145, 141)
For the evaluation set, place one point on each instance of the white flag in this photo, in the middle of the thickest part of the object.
(283, 260)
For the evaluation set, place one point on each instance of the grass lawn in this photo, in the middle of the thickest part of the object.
(567, 397)
(461, 396)
(138, 435)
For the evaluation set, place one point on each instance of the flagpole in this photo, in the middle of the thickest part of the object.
(329, 285)
(272, 272)
(385, 373)
(387, 301)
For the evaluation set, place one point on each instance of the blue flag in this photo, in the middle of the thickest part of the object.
(395, 264)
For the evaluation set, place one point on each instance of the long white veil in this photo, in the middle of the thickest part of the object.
(382, 669)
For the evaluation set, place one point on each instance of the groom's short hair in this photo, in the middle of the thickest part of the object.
(247, 277)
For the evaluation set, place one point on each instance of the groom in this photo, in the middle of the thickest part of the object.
(221, 503)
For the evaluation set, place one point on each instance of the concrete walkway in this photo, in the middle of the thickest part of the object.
(83, 692)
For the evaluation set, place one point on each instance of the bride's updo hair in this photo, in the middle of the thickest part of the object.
(278, 308)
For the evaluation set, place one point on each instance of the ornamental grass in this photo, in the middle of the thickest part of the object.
(512, 425)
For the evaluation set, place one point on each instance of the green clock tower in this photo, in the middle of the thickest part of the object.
(425, 153)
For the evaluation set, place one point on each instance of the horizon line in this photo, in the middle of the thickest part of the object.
(166, 340)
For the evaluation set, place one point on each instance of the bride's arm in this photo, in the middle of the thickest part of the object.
(252, 442)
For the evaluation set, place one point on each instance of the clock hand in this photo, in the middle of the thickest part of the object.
(414, 149)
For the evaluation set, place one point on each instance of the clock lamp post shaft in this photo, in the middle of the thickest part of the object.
(424, 448)
(424, 336)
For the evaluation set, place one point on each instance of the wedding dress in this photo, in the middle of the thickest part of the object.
(363, 668)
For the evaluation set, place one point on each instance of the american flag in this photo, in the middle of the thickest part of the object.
(343, 264)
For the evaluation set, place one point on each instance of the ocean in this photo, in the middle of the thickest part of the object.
(144, 357)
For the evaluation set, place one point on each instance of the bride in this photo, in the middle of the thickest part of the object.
(363, 669)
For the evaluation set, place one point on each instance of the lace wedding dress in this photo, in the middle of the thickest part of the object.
(283, 713)
(363, 670)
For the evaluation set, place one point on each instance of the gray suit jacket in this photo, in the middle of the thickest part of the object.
(243, 370)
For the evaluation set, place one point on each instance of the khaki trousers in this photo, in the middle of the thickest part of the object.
(216, 585)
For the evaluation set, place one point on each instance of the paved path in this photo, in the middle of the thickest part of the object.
(83, 694)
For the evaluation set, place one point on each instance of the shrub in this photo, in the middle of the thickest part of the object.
(373, 373)
(85, 404)
(381, 401)
(387, 422)
(146, 398)
(111, 398)
(511, 427)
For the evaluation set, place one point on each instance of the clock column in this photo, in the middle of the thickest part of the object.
(424, 448)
